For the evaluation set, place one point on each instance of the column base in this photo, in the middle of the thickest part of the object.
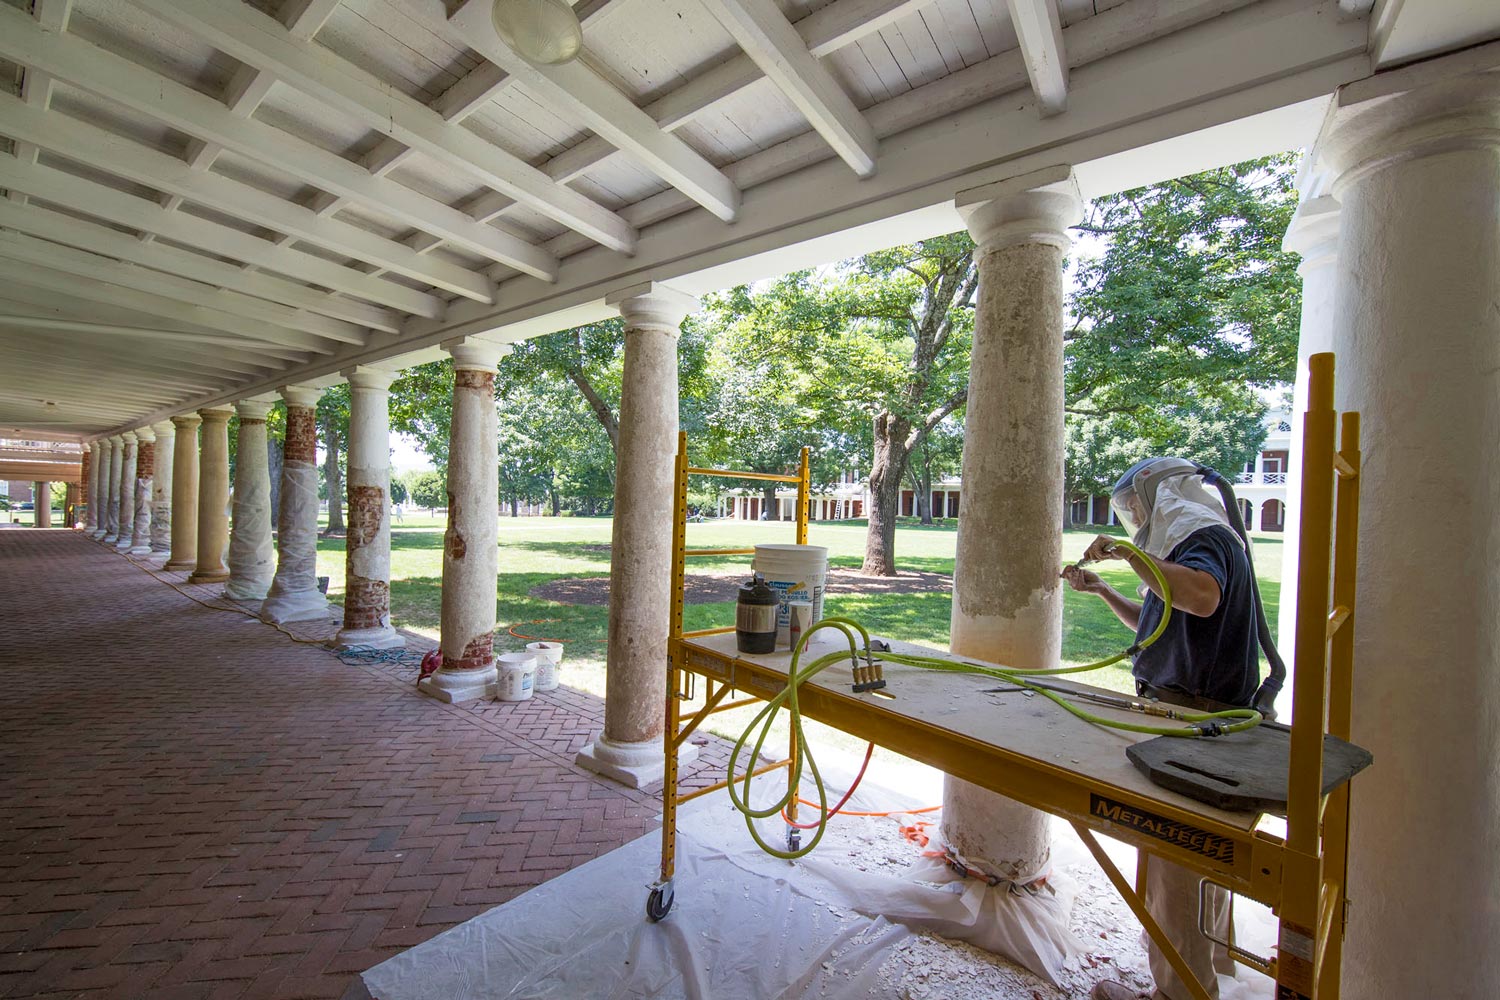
(140, 550)
(124, 544)
(97, 534)
(301, 606)
(247, 590)
(209, 576)
(109, 539)
(380, 637)
(453, 686)
(179, 565)
(635, 765)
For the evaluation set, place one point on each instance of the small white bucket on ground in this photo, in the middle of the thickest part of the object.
(798, 573)
(516, 673)
(548, 659)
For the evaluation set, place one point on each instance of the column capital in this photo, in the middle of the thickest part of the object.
(367, 378)
(216, 414)
(1314, 233)
(468, 352)
(128, 437)
(186, 421)
(1405, 115)
(1031, 208)
(301, 395)
(145, 434)
(653, 305)
(164, 428)
(254, 408)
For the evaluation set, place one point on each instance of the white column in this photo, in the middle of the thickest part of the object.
(470, 545)
(161, 486)
(112, 501)
(1416, 331)
(1314, 234)
(213, 497)
(184, 553)
(252, 559)
(145, 465)
(294, 594)
(91, 495)
(640, 565)
(367, 560)
(1007, 597)
(125, 538)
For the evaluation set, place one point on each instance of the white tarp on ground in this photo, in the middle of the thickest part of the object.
(746, 925)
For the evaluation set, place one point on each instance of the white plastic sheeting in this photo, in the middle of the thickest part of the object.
(294, 594)
(746, 926)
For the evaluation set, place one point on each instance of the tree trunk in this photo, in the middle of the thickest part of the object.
(556, 501)
(1067, 519)
(515, 507)
(768, 502)
(335, 480)
(885, 494)
(273, 464)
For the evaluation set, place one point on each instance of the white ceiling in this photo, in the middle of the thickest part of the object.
(208, 200)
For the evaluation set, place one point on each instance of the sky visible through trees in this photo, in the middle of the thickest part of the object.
(1182, 320)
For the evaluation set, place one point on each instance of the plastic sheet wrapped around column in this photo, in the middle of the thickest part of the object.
(251, 556)
(294, 594)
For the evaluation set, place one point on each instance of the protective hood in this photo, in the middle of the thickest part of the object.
(1161, 501)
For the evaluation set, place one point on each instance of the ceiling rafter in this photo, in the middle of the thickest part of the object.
(768, 38)
(227, 347)
(576, 91)
(45, 357)
(261, 41)
(117, 79)
(249, 86)
(101, 201)
(75, 232)
(83, 143)
(188, 361)
(36, 87)
(101, 282)
(1039, 31)
(278, 320)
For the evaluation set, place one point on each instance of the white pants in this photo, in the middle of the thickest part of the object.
(1171, 896)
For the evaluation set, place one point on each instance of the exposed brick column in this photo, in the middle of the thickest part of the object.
(184, 551)
(213, 497)
(111, 487)
(294, 594)
(641, 551)
(252, 559)
(367, 560)
(161, 486)
(125, 538)
(470, 545)
(145, 470)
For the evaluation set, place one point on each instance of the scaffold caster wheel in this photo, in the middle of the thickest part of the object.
(794, 840)
(659, 903)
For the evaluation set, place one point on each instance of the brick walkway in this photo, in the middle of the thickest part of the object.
(195, 806)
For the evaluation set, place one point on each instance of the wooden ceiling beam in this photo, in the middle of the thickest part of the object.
(180, 359)
(1039, 30)
(229, 349)
(261, 41)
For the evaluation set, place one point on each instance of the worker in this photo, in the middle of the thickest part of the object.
(1208, 659)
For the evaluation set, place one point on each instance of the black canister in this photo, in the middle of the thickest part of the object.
(755, 617)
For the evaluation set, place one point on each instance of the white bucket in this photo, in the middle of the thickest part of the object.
(548, 657)
(515, 671)
(797, 573)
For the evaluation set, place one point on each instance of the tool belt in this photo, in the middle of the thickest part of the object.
(1181, 699)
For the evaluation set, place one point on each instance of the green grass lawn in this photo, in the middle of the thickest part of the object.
(538, 550)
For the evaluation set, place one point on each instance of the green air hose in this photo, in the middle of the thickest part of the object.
(1198, 724)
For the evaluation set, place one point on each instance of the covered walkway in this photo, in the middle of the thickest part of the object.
(194, 806)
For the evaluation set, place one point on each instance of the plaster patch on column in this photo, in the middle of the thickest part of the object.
(367, 603)
(453, 539)
(478, 654)
(366, 508)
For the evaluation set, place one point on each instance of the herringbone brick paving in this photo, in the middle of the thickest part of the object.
(194, 806)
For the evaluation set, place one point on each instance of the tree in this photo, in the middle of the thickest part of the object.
(428, 489)
(399, 492)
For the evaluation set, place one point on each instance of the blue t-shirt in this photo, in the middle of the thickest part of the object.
(1216, 657)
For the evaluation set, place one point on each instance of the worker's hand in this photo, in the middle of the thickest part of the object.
(1104, 547)
(1083, 580)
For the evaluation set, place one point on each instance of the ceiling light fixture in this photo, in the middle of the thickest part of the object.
(545, 32)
